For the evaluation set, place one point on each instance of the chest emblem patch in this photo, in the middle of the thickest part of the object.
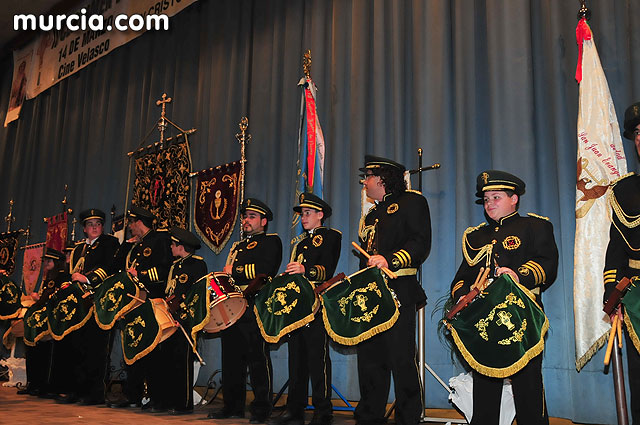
(146, 252)
(252, 245)
(511, 242)
(317, 240)
(183, 278)
(392, 208)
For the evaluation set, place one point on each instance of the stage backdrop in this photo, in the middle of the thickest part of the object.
(477, 85)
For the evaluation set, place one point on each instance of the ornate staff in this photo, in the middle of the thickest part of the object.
(162, 123)
(10, 218)
(243, 138)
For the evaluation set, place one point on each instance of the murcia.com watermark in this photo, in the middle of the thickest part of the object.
(82, 22)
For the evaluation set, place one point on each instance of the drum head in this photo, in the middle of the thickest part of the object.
(164, 318)
(225, 313)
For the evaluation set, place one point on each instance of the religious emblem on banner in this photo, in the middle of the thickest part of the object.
(216, 206)
(162, 183)
(8, 248)
(57, 231)
(31, 266)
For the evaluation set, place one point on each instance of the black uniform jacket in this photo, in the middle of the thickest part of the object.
(399, 229)
(256, 254)
(97, 258)
(623, 251)
(151, 257)
(318, 252)
(524, 244)
(183, 273)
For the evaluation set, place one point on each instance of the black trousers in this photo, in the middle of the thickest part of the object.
(92, 368)
(242, 346)
(38, 360)
(309, 358)
(174, 389)
(528, 395)
(390, 352)
(65, 358)
(633, 376)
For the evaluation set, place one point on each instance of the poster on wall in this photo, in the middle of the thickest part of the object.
(21, 73)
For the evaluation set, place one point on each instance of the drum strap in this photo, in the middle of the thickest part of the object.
(407, 272)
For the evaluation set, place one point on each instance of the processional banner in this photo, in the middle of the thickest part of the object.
(57, 227)
(31, 263)
(8, 249)
(216, 205)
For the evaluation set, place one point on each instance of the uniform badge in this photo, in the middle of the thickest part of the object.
(146, 252)
(511, 242)
(317, 240)
(485, 177)
(252, 245)
(183, 278)
(392, 208)
(239, 269)
(523, 271)
(51, 284)
(395, 263)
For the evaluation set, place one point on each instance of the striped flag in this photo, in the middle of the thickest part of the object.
(601, 161)
(310, 166)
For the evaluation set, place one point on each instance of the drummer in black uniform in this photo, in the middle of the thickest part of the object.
(147, 256)
(525, 249)
(396, 232)
(316, 256)
(242, 344)
(187, 268)
(623, 257)
(89, 262)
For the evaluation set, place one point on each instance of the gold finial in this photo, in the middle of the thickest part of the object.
(162, 123)
(10, 218)
(306, 64)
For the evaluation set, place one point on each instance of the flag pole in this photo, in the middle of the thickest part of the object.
(243, 138)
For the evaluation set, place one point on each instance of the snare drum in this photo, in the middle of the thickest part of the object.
(227, 303)
(165, 320)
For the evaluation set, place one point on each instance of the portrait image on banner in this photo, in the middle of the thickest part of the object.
(216, 204)
(31, 263)
(57, 227)
(8, 249)
(162, 183)
(21, 73)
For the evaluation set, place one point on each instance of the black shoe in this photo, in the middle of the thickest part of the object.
(321, 420)
(88, 401)
(118, 403)
(224, 414)
(66, 398)
(25, 390)
(176, 412)
(255, 419)
(287, 418)
(158, 409)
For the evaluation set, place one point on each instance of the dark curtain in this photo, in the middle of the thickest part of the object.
(477, 85)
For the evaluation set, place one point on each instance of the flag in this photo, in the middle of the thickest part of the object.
(31, 263)
(310, 166)
(8, 250)
(601, 161)
(57, 227)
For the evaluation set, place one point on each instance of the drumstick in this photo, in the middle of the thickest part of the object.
(389, 273)
(190, 342)
(136, 298)
(612, 334)
(619, 328)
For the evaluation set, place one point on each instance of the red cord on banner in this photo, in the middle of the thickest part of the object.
(583, 32)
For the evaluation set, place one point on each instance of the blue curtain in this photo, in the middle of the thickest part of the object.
(476, 85)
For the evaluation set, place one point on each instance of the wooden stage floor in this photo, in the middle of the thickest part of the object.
(27, 409)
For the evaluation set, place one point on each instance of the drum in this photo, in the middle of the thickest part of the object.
(499, 333)
(359, 307)
(67, 311)
(165, 320)
(227, 304)
(286, 304)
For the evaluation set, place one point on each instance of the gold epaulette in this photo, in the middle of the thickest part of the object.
(414, 191)
(271, 234)
(79, 243)
(197, 257)
(541, 217)
(164, 229)
(474, 228)
(624, 176)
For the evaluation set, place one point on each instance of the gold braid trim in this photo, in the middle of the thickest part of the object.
(198, 327)
(124, 310)
(72, 328)
(623, 237)
(144, 352)
(632, 332)
(624, 176)
(486, 250)
(622, 216)
(364, 336)
(292, 327)
(597, 345)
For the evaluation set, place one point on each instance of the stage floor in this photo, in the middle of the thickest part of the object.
(16, 408)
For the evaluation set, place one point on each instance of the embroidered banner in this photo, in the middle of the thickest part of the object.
(67, 310)
(8, 249)
(162, 183)
(499, 333)
(216, 206)
(57, 227)
(284, 305)
(9, 298)
(193, 311)
(140, 333)
(111, 299)
(359, 307)
(31, 263)
(631, 302)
